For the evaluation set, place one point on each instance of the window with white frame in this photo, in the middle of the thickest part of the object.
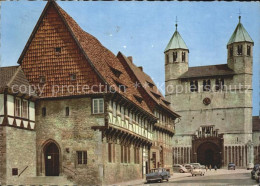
(18, 107)
(98, 105)
(25, 109)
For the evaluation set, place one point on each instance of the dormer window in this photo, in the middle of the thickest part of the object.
(58, 49)
(73, 77)
(151, 85)
(239, 49)
(248, 50)
(175, 56)
(183, 56)
(139, 99)
(231, 51)
(116, 72)
(42, 79)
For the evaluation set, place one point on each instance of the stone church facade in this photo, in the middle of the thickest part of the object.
(87, 121)
(215, 103)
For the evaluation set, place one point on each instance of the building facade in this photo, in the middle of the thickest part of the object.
(92, 124)
(215, 103)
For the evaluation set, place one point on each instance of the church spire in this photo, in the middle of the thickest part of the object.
(240, 34)
(176, 41)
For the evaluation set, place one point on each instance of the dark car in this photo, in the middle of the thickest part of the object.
(256, 167)
(231, 166)
(158, 174)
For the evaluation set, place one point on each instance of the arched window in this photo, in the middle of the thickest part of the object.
(231, 51)
(167, 59)
(239, 49)
(183, 57)
(248, 50)
(175, 55)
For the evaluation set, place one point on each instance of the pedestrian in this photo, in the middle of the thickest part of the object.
(210, 167)
(206, 168)
(215, 167)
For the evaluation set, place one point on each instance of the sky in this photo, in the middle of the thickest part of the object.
(143, 29)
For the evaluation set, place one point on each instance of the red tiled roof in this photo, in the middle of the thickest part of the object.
(100, 58)
(145, 80)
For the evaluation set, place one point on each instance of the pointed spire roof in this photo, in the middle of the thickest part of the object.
(176, 42)
(240, 34)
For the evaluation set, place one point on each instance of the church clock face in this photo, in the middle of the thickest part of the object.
(206, 101)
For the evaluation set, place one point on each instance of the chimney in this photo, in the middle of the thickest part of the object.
(141, 68)
(130, 58)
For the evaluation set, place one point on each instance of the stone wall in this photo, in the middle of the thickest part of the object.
(2, 155)
(20, 154)
(72, 133)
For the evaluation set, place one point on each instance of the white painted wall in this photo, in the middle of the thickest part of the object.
(32, 111)
(10, 105)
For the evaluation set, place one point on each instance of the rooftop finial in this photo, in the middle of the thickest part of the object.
(239, 13)
(176, 25)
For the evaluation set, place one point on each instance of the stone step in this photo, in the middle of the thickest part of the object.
(47, 180)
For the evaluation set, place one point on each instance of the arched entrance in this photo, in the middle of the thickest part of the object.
(51, 158)
(209, 153)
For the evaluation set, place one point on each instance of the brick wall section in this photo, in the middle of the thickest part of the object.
(2, 156)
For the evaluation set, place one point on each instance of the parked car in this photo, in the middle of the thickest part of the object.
(231, 166)
(195, 164)
(250, 166)
(254, 170)
(257, 174)
(179, 168)
(197, 171)
(188, 167)
(158, 174)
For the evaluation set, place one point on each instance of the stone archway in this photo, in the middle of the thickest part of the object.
(209, 153)
(51, 158)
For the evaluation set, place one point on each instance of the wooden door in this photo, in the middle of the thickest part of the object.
(52, 160)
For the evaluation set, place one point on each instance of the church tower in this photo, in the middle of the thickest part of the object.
(240, 50)
(176, 60)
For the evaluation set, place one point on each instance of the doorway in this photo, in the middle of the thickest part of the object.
(51, 156)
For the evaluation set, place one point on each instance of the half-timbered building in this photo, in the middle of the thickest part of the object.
(17, 126)
(93, 125)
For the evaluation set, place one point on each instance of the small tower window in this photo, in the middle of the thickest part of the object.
(42, 79)
(239, 50)
(183, 56)
(44, 111)
(175, 56)
(73, 77)
(248, 50)
(58, 49)
(67, 111)
(231, 51)
(167, 59)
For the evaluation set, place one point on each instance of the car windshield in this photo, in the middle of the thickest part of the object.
(156, 170)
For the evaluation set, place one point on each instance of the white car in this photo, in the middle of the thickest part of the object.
(179, 168)
(198, 171)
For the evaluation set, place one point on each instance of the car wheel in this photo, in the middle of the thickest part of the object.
(160, 180)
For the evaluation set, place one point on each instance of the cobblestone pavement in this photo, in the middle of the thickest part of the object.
(220, 177)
